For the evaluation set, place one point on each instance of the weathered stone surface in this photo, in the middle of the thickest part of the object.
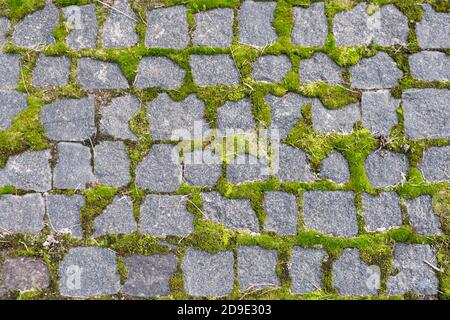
(385, 168)
(422, 217)
(116, 116)
(334, 120)
(21, 214)
(235, 214)
(305, 269)
(389, 26)
(330, 212)
(292, 165)
(281, 213)
(164, 215)
(51, 71)
(28, 171)
(9, 71)
(117, 218)
(335, 167)
(433, 31)
(310, 26)
(235, 115)
(25, 273)
(430, 66)
(255, 23)
(174, 120)
(83, 26)
(435, 164)
(257, 268)
(119, 28)
(159, 72)
(96, 74)
(213, 28)
(271, 68)
(4, 26)
(353, 277)
(379, 111)
(11, 104)
(160, 170)
(88, 272)
(213, 70)
(208, 274)
(202, 168)
(381, 212)
(73, 168)
(247, 168)
(351, 27)
(111, 163)
(64, 213)
(414, 275)
(149, 276)
(320, 68)
(167, 28)
(377, 72)
(69, 119)
(426, 113)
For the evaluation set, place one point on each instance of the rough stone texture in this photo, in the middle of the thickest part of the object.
(235, 115)
(335, 167)
(64, 213)
(320, 68)
(88, 272)
(208, 274)
(117, 218)
(83, 26)
(21, 214)
(51, 71)
(202, 168)
(9, 71)
(381, 212)
(292, 165)
(422, 217)
(430, 66)
(73, 168)
(414, 274)
(426, 113)
(389, 26)
(69, 119)
(247, 168)
(149, 276)
(159, 72)
(351, 27)
(385, 168)
(172, 120)
(167, 28)
(334, 120)
(377, 72)
(330, 212)
(281, 213)
(433, 31)
(435, 164)
(11, 104)
(235, 214)
(36, 28)
(255, 23)
(25, 273)
(310, 26)
(271, 68)
(213, 70)
(353, 277)
(116, 116)
(378, 109)
(4, 26)
(257, 268)
(160, 170)
(111, 163)
(164, 215)
(28, 171)
(305, 269)
(96, 74)
(119, 29)
(213, 28)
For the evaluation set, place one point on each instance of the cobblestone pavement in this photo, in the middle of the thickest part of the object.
(240, 149)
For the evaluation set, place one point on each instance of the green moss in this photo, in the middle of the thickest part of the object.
(17, 9)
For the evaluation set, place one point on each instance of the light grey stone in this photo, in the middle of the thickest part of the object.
(430, 66)
(422, 216)
(255, 23)
(379, 111)
(271, 68)
(352, 27)
(25, 273)
(111, 163)
(330, 212)
(11, 104)
(310, 26)
(83, 26)
(9, 71)
(4, 27)
(305, 269)
(207, 275)
(165, 215)
(247, 168)
(117, 218)
(96, 74)
(433, 31)
(381, 212)
(320, 68)
(435, 164)
(334, 120)
(51, 71)
(389, 26)
(214, 70)
(281, 213)
(202, 168)
(167, 28)
(119, 28)
(235, 115)
(159, 72)
(335, 167)
(95, 270)
(385, 168)
(292, 165)
(213, 28)
(64, 213)
(21, 214)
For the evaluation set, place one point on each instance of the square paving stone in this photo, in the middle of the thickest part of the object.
(255, 23)
(334, 120)
(330, 212)
(149, 276)
(111, 163)
(351, 27)
(159, 72)
(119, 29)
(4, 27)
(389, 26)
(117, 218)
(21, 214)
(433, 31)
(310, 26)
(51, 71)
(164, 215)
(235, 115)
(213, 28)
(422, 216)
(88, 272)
(320, 68)
(167, 28)
(291, 164)
(385, 168)
(214, 70)
(335, 167)
(247, 168)
(435, 164)
(9, 71)
(202, 168)
(96, 74)
(381, 212)
(271, 68)
(305, 269)
(281, 213)
(83, 26)
(379, 111)
(25, 273)
(64, 213)
(430, 66)
(208, 275)
(11, 104)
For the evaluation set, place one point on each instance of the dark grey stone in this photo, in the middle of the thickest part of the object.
(11, 104)
(213, 28)
(235, 115)
(213, 70)
(381, 212)
(119, 28)
(4, 27)
(292, 165)
(247, 168)
(255, 23)
(64, 213)
(352, 28)
(9, 71)
(21, 214)
(111, 163)
(305, 269)
(159, 72)
(422, 217)
(271, 68)
(385, 168)
(83, 26)
(281, 213)
(430, 66)
(320, 68)
(202, 168)
(379, 111)
(96, 74)
(51, 71)
(389, 25)
(117, 218)
(25, 273)
(435, 164)
(334, 120)
(335, 167)
(433, 31)
(310, 26)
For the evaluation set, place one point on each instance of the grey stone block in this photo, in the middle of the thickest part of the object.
(21, 214)
(435, 164)
(281, 213)
(305, 269)
(381, 212)
(11, 104)
(422, 217)
(271, 68)
(310, 26)
(119, 29)
(213, 28)
(83, 26)
(96, 74)
(202, 168)
(320, 68)
(430, 66)
(292, 165)
(235, 115)
(159, 72)
(4, 27)
(351, 27)
(334, 120)
(25, 273)
(117, 218)
(51, 71)
(247, 168)
(255, 23)
(389, 25)
(214, 70)
(111, 163)
(379, 111)
(433, 31)
(385, 168)
(64, 213)
(335, 167)
(9, 71)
